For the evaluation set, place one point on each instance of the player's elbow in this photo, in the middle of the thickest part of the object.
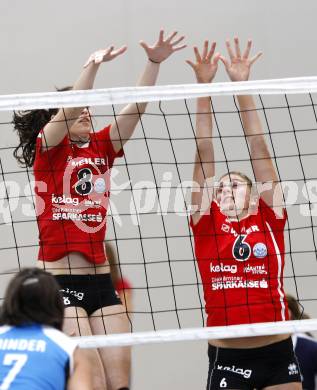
(258, 146)
(204, 149)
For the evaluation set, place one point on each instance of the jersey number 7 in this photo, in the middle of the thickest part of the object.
(18, 360)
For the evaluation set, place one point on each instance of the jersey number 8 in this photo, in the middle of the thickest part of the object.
(84, 183)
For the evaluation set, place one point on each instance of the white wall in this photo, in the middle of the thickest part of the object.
(44, 44)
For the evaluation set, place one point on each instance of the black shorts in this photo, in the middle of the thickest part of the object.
(91, 292)
(253, 368)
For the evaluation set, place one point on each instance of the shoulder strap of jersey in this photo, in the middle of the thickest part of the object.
(5, 329)
(64, 342)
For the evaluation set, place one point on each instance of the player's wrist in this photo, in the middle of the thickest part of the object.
(154, 61)
(95, 59)
(203, 81)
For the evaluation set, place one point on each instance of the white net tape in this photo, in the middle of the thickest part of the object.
(102, 97)
(191, 334)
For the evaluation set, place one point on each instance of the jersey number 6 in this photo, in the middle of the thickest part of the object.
(241, 250)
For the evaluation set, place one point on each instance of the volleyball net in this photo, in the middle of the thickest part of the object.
(149, 207)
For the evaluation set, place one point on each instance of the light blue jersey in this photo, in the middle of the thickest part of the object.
(34, 358)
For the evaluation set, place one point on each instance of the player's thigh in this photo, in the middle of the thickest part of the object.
(76, 322)
(110, 319)
(117, 360)
(285, 386)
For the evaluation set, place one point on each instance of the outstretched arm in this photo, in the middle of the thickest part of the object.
(205, 69)
(57, 128)
(123, 128)
(238, 69)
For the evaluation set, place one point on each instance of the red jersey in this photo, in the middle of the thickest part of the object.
(241, 266)
(72, 194)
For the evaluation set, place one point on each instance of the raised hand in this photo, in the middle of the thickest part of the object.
(206, 64)
(163, 48)
(238, 68)
(104, 55)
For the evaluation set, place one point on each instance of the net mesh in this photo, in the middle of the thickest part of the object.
(148, 224)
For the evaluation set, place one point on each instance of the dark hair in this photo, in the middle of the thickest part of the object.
(296, 309)
(33, 297)
(28, 124)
